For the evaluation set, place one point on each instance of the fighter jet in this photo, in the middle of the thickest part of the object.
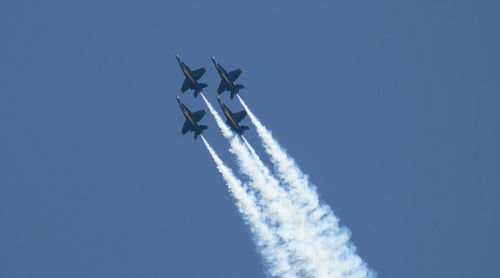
(227, 82)
(192, 76)
(234, 119)
(192, 119)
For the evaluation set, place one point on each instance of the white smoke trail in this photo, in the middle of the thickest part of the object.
(264, 237)
(314, 257)
(342, 258)
(226, 131)
(280, 264)
(307, 256)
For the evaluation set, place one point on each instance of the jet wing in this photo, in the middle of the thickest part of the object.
(186, 85)
(238, 116)
(196, 74)
(187, 127)
(222, 87)
(196, 116)
(234, 74)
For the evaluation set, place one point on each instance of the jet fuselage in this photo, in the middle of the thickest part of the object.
(232, 119)
(188, 74)
(188, 116)
(224, 75)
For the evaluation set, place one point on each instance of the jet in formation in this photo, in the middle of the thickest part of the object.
(192, 76)
(234, 119)
(227, 82)
(192, 119)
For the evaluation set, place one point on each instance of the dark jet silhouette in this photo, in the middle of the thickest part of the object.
(227, 82)
(234, 119)
(192, 76)
(192, 119)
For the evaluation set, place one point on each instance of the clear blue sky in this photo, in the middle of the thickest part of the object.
(392, 107)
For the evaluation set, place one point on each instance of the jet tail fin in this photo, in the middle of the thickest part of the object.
(196, 133)
(198, 90)
(245, 127)
(238, 88)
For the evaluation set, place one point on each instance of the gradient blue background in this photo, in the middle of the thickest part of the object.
(392, 107)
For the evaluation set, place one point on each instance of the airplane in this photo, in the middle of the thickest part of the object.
(227, 82)
(234, 119)
(192, 76)
(192, 119)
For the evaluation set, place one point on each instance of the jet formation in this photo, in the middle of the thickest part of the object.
(191, 82)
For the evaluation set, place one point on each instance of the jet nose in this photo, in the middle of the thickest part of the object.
(178, 100)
